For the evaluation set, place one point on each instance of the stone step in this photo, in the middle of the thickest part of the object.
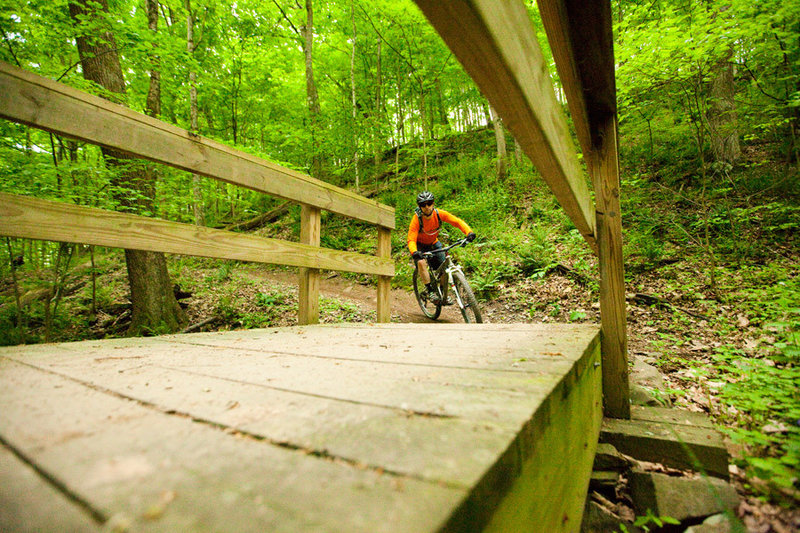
(669, 415)
(607, 457)
(604, 482)
(678, 439)
(684, 499)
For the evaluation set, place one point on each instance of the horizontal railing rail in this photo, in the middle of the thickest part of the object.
(33, 218)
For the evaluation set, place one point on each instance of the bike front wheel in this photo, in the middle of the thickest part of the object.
(466, 299)
(429, 309)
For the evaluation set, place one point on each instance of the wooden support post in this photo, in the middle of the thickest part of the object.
(308, 310)
(384, 282)
(604, 167)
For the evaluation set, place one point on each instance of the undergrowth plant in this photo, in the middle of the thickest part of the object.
(761, 385)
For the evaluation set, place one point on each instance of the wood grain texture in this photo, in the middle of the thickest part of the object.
(384, 312)
(581, 39)
(496, 44)
(30, 503)
(310, 233)
(32, 218)
(556, 453)
(37, 101)
(325, 428)
(613, 314)
(160, 472)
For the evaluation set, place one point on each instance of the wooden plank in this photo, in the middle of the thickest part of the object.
(37, 101)
(32, 218)
(554, 456)
(28, 503)
(310, 228)
(536, 348)
(581, 39)
(616, 398)
(370, 401)
(384, 312)
(364, 366)
(675, 445)
(496, 44)
(325, 424)
(159, 472)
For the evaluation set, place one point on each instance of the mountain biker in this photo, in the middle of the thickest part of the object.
(423, 236)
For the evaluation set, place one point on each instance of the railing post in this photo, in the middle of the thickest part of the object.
(604, 166)
(308, 309)
(384, 282)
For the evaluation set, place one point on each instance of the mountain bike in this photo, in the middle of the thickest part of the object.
(453, 277)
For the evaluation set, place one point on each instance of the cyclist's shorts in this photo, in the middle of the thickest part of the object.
(438, 258)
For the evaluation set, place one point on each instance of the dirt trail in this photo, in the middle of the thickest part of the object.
(403, 305)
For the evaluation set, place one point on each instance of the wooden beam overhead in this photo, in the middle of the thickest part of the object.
(581, 38)
(40, 102)
(32, 218)
(496, 43)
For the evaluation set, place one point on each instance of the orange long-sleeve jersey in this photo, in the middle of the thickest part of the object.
(429, 233)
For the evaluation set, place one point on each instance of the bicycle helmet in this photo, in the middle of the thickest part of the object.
(424, 197)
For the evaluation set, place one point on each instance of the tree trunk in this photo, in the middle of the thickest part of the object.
(353, 96)
(13, 262)
(722, 117)
(153, 102)
(197, 194)
(378, 105)
(155, 308)
(311, 88)
(154, 92)
(423, 116)
(401, 130)
(500, 137)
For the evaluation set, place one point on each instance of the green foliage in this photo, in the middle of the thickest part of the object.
(486, 281)
(223, 272)
(577, 316)
(343, 311)
(761, 388)
(537, 255)
(767, 393)
(650, 519)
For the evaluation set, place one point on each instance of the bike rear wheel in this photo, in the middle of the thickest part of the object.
(470, 310)
(429, 309)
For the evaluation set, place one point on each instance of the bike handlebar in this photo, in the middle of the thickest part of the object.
(462, 242)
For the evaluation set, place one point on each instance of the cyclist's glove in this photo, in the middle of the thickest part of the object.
(471, 236)
(417, 256)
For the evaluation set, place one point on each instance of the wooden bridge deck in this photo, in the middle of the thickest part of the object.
(392, 427)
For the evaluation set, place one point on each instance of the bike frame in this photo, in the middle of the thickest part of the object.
(447, 267)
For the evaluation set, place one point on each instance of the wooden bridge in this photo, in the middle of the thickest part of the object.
(377, 427)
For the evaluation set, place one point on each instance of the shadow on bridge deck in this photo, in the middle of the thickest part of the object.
(394, 427)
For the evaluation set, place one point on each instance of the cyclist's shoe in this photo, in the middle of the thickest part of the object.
(436, 299)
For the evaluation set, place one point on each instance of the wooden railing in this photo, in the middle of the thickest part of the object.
(496, 43)
(37, 101)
